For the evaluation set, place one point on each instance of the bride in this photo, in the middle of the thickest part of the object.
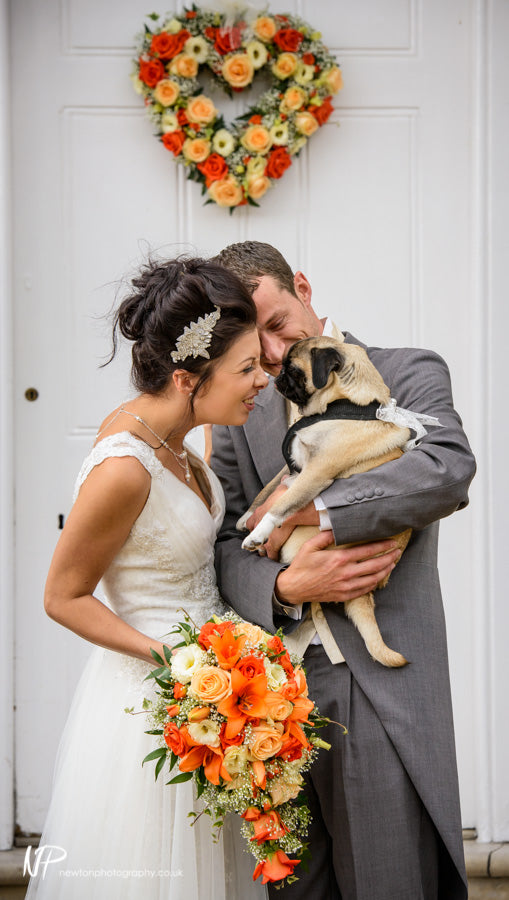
(144, 522)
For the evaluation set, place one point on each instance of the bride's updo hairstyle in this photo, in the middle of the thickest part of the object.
(166, 297)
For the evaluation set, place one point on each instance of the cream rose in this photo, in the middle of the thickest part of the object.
(238, 70)
(197, 47)
(281, 791)
(196, 149)
(257, 53)
(184, 65)
(235, 759)
(304, 73)
(257, 185)
(186, 661)
(265, 742)
(206, 732)
(200, 109)
(333, 79)
(297, 146)
(285, 65)
(136, 83)
(265, 28)
(293, 99)
(223, 142)
(277, 707)
(254, 633)
(166, 92)
(279, 134)
(256, 139)
(211, 684)
(169, 122)
(173, 26)
(226, 191)
(306, 123)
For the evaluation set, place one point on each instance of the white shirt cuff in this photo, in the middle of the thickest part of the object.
(293, 612)
(325, 522)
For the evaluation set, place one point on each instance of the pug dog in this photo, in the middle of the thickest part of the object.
(338, 391)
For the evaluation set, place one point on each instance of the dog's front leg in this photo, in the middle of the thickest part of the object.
(261, 498)
(304, 488)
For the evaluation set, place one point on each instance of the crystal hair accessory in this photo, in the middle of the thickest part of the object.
(196, 337)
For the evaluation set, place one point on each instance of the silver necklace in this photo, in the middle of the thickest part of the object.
(182, 458)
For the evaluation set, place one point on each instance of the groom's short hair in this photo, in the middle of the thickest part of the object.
(251, 260)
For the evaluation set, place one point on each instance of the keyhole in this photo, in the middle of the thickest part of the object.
(31, 394)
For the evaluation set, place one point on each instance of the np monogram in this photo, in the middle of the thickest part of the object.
(43, 857)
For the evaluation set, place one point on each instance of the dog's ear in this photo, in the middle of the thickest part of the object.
(324, 360)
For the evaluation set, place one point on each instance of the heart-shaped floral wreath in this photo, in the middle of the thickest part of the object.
(236, 164)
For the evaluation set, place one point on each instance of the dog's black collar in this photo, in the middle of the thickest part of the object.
(338, 409)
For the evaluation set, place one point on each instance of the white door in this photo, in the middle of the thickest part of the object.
(376, 212)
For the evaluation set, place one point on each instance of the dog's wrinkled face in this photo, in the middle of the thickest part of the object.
(306, 369)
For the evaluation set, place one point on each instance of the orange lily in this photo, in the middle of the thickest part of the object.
(227, 647)
(301, 709)
(245, 702)
(211, 758)
(275, 867)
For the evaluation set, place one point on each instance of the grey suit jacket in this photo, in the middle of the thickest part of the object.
(415, 491)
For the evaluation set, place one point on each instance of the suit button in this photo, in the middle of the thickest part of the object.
(369, 493)
(359, 496)
(350, 498)
(378, 492)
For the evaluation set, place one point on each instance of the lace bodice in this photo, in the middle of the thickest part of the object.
(167, 561)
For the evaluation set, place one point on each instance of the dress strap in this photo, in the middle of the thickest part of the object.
(123, 443)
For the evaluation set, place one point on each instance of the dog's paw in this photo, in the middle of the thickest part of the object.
(259, 534)
(242, 522)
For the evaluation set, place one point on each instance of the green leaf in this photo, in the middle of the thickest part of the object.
(167, 654)
(155, 731)
(173, 760)
(160, 753)
(156, 656)
(184, 776)
(159, 765)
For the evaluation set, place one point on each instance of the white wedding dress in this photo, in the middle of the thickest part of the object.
(127, 836)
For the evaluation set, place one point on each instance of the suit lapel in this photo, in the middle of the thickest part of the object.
(265, 430)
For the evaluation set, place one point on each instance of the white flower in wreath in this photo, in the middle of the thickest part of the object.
(304, 73)
(186, 661)
(173, 26)
(235, 759)
(257, 53)
(256, 165)
(136, 83)
(169, 122)
(223, 142)
(197, 47)
(279, 134)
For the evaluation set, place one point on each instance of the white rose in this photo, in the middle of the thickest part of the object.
(235, 759)
(223, 142)
(205, 732)
(186, 661)
(173, 26)
(276, 675)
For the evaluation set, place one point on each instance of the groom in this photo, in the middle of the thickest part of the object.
(384, 800)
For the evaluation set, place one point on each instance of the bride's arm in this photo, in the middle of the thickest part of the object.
(109, 502)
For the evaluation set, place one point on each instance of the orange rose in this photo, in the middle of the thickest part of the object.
(227, 39)
(174, 141)
(265, 28)
(288, 39)
(285, 65)
(306, 123)
(213, 168)
(196, 149)
(322, 113)
(226, 192)
(278, 162)
(173, 710)
(211, 684)
(166, 46)
(257, 186)
(333, 79)
(175, 739)
(179, 690)
(275, 867)
(201, 109)
(238, 70)
(265, 742)
(184, 65)
(256, 139)
(282, 791)
(213, 628)
(250, 666)
(166, 92)
(253, 633)
(278, 708)
(151, 71)
(269, 827)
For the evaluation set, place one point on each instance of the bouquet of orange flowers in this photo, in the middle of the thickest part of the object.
(233, 713)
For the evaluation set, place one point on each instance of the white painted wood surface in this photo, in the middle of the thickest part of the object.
(395, 212)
